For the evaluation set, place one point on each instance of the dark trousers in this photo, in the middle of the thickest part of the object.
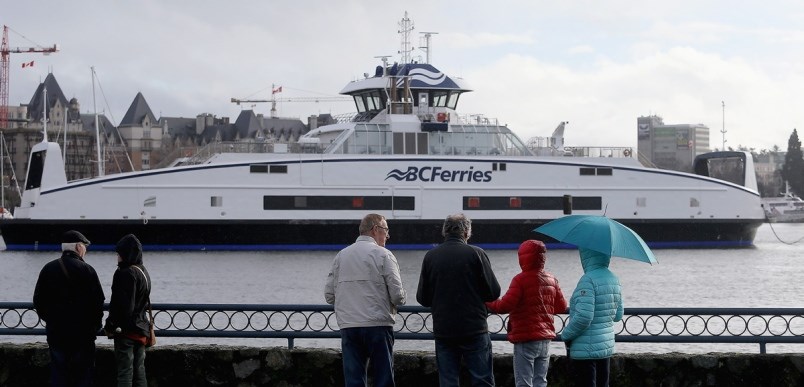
(590, 373)
(72, 364)
(476, 354)
(129, 356)
(364, 345)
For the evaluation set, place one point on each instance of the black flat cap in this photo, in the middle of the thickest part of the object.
(73, 236)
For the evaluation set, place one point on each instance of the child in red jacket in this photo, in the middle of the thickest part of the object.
(532, 299)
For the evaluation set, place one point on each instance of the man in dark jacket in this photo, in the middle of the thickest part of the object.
(69, 298)
(127, 322)
(455, 282)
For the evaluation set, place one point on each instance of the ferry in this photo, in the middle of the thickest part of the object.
(406, 154)
(787, 208)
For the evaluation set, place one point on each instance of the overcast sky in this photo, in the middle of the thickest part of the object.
(531, 64)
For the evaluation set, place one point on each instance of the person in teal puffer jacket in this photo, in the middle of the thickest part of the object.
(595, 305)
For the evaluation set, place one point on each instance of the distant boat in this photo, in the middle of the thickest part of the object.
(407, 154)
(787, 208)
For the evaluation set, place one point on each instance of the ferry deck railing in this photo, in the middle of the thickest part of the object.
(639, 325)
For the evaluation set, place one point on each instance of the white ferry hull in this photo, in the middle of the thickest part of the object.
(316, 201)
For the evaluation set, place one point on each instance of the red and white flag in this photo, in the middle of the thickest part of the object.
(28, 64)
(277, 90)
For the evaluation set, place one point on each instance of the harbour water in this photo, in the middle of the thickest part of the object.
(768, 275)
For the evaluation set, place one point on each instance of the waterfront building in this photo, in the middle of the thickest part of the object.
(184, 136)
(670, 146)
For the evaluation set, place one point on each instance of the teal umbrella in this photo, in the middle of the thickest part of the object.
(601, 234)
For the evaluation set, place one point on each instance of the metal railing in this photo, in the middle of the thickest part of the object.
(639, 325)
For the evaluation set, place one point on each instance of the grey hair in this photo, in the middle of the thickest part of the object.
(457, 225)
(72, 246)
(369, 221)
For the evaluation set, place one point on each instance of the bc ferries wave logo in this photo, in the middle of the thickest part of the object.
(428, 77)
(440, 174)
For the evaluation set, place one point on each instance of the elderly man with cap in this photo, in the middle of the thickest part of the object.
(69, 298)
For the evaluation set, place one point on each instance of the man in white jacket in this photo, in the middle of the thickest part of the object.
(365, 286)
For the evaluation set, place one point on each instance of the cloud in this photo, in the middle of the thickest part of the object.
(581, 49)
(602, 103)
(486, 39)
(690, 32)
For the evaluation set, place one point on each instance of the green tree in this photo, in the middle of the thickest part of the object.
(793, 169)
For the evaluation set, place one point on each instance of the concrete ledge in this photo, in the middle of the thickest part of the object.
(211, 365)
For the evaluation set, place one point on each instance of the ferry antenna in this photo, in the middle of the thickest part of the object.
(405, 27)
(425, 46)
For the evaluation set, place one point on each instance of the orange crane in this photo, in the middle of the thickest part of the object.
(5, 52)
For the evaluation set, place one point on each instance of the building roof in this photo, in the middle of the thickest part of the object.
(54, 93)
(88, 122)
(137, 112)
(247, 124)
(179, 126)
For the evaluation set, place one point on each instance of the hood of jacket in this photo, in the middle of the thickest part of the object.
(130, 249)
(532, 255)
(591, 260)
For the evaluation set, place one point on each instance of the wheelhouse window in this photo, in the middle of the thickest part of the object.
(360, 104)
(453, 100)
(440, 98)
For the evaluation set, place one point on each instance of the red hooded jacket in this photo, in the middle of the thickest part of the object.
(533, 297)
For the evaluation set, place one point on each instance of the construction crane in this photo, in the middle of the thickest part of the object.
(5, 52)
(273, 101)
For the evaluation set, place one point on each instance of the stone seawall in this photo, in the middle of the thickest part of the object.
(208, 365)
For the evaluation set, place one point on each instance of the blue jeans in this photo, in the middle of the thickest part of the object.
(130, 358)
(72, 365)
(364, 345)
(591, 372)
(531, 360)
(475, 352)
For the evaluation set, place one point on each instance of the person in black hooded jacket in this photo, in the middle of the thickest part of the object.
(127, 322)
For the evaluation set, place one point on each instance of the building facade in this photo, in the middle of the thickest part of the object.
(670, 146)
